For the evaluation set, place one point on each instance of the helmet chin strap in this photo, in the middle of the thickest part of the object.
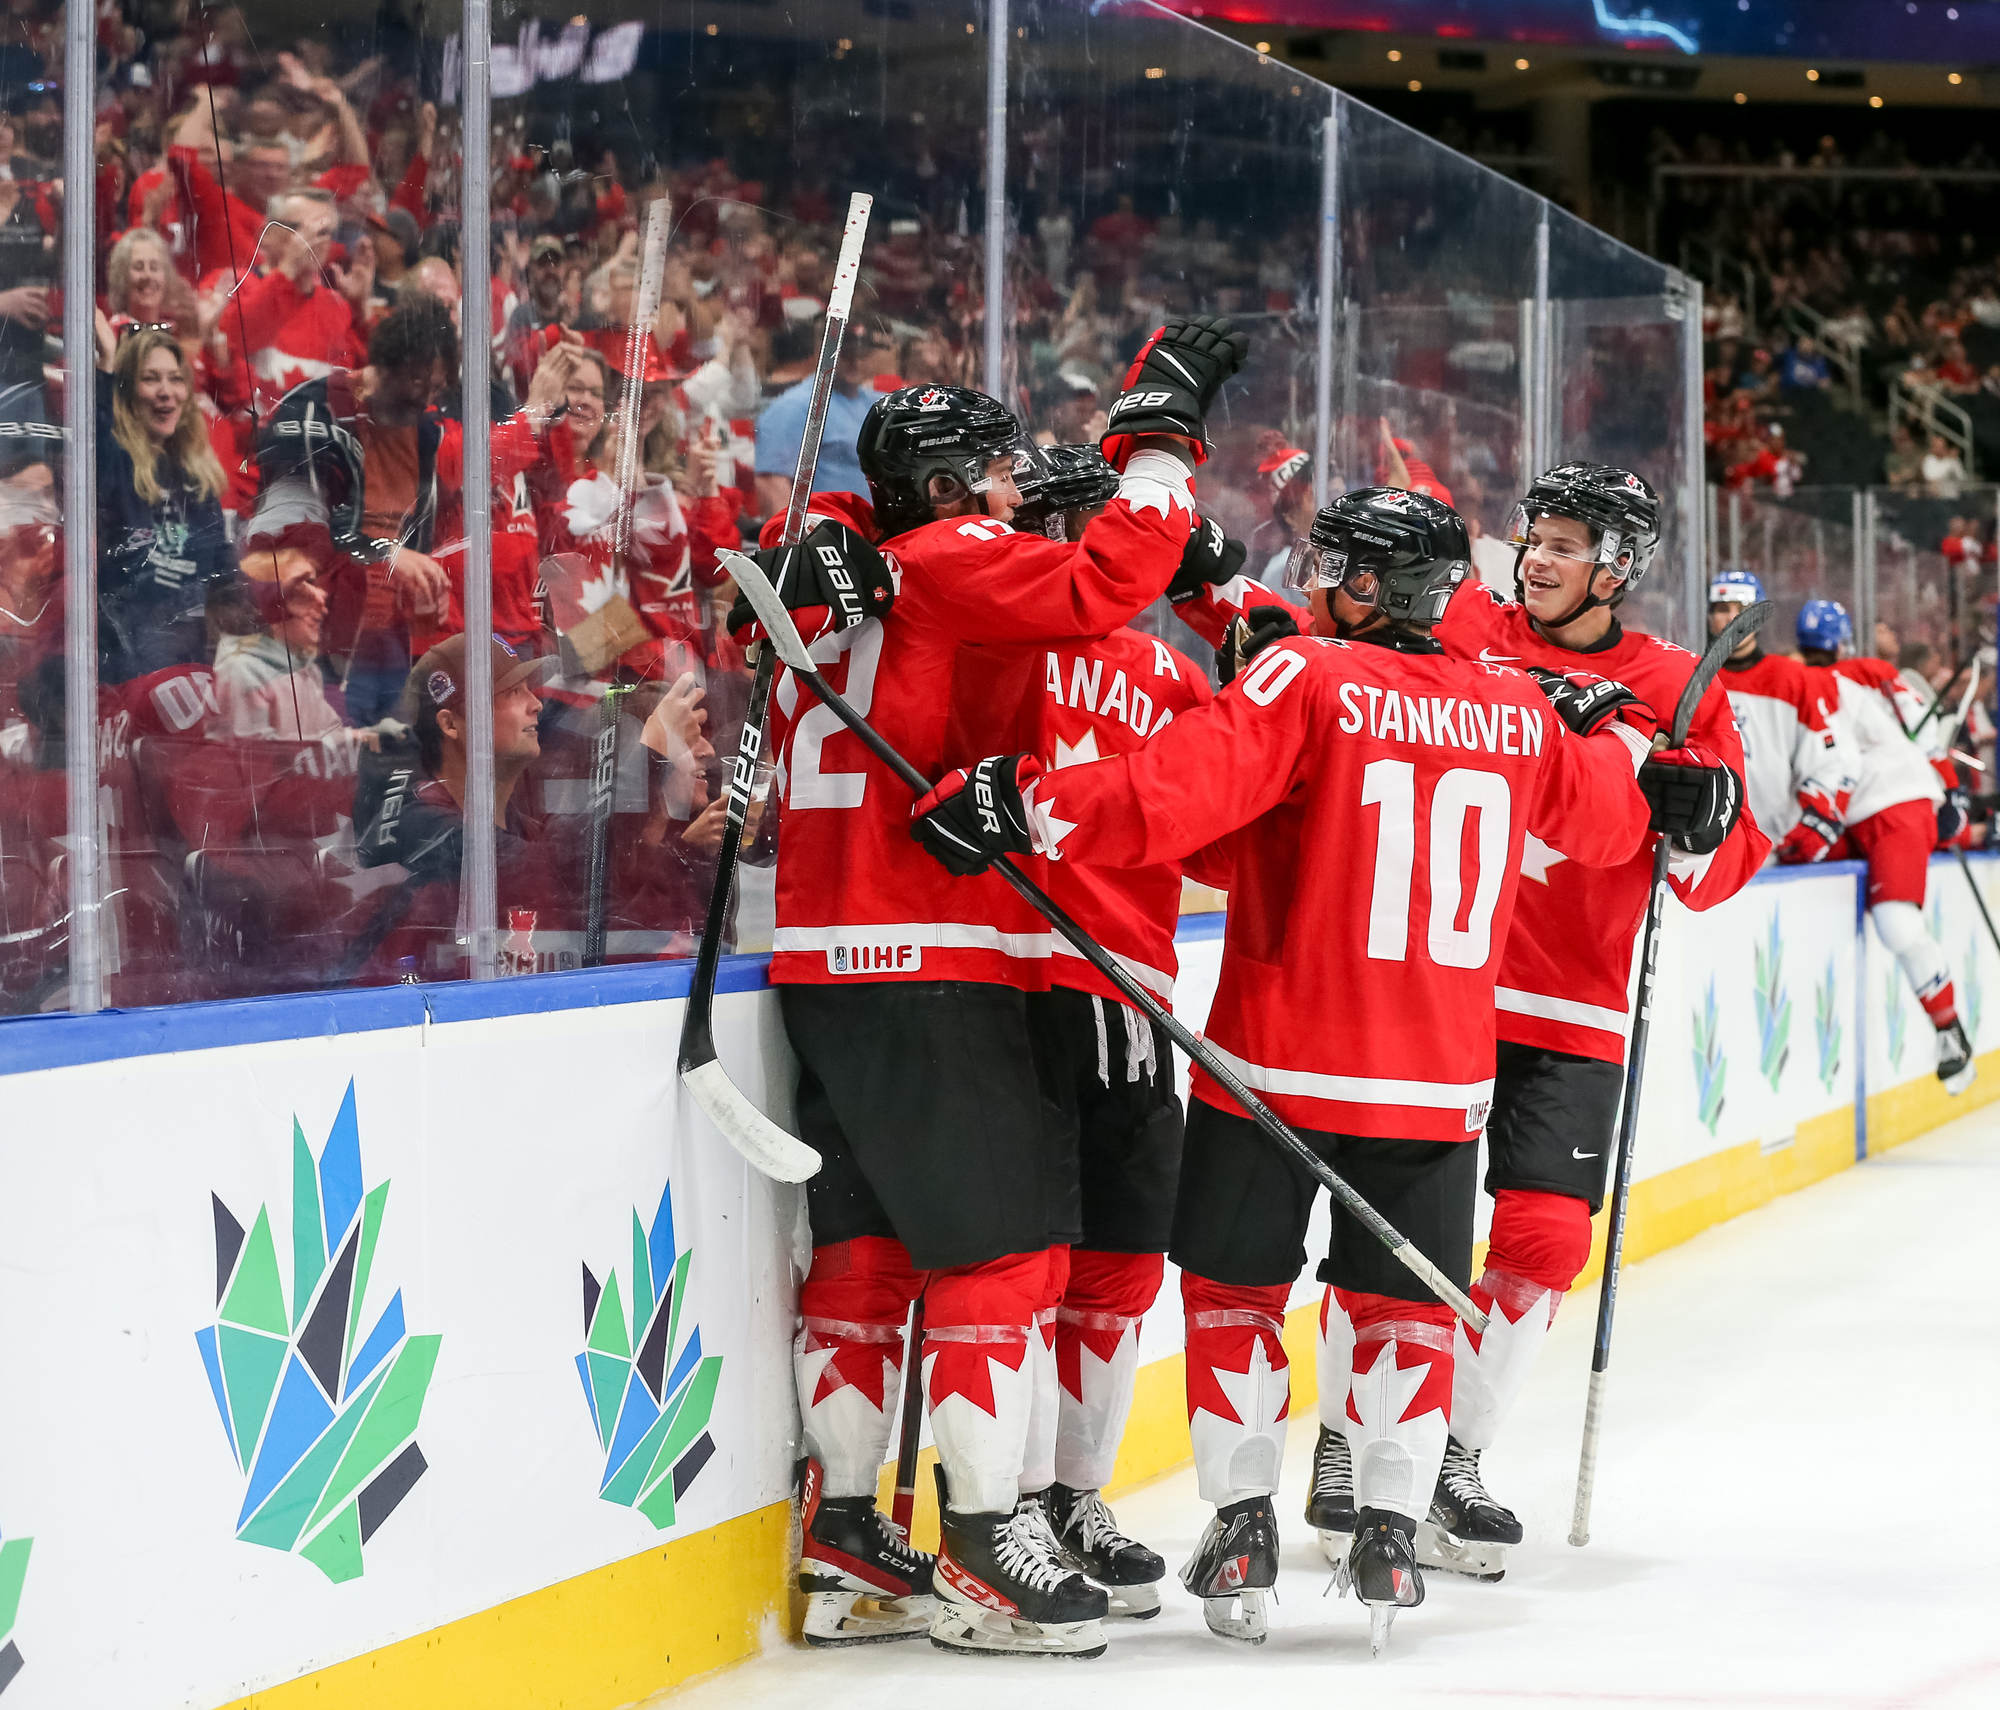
(1589, 603)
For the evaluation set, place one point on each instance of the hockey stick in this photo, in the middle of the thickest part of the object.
(903, 1511)
(639, 342)
(1745, 623)
(603, 787)
(777, 623)
(781, 1156)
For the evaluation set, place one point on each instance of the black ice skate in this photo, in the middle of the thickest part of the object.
(1955, 1065)
(1088, 1531)
(1381, 1569)
(1233, 1568)
(1330, 1507)
(1467, 1532)
(1003, 1589)
(863, 1582)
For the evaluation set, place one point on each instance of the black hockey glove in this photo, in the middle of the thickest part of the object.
(1954, 814)
(830, 582)
(973, 816)
(1582, 701)
(1695, 798)
(1249, 635)
(1210, 559)
(1172, 382)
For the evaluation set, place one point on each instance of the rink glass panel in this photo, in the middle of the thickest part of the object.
(1802, 546)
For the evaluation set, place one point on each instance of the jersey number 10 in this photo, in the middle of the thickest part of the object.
(1391, 786)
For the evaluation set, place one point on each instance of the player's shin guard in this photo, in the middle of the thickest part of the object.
(1398, 1400)
(848, 1358)
(1097, 1358)
(1238, 1386)
(1540, 1242)
(979, 1321)
(1038, 1460)
(1330, 1499)
(1900, 926)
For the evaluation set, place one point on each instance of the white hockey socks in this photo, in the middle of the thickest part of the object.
(1490, 1369)
(1900, 926)
(1334, 1361)
(1038, 1461)
(980, 1379)
(1398, 1402)
(1097, 1357)
(1238, 1387)
(849, 1390)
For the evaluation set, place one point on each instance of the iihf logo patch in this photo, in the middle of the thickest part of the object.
(840, 958)
(1475, 1115)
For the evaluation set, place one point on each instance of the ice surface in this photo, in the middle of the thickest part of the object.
(1795, 1504)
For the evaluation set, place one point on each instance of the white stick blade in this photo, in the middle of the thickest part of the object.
(840, 297)
(770, 609)
(765, 1146)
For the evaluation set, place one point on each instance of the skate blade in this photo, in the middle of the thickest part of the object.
(1437, 1548)
(1130, 1602)
(987, 1632)
(1381, 1617)
(1242, 1616)
(835, 1618)
(1334, 1546)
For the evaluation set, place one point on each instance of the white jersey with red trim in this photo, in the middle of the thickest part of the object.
(1375, 804)
(1792, 754)
(857, 898)
(1567, 971)
(1874, 711)
(1094, 700)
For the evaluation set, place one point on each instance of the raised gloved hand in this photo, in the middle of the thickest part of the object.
(1954, 814)
(1209, 559)
(1248, 636)
(831, 581)
(1581, 700)
(1171, 384)
(973, 816)
(1813, 838)
(1695, 798)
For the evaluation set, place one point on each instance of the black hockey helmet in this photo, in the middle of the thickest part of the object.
(1621, 507)
(1059, 479)
(1416, 547)
(919, 432)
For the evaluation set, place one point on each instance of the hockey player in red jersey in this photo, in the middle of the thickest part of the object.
(904, 995)
(1586, 533)
(1892, 816)
(1108, 1066)
(1356, 991)
(1800, 771)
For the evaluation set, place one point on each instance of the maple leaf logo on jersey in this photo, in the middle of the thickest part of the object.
(1537, 858)
(1081, 755)
(1045, 830)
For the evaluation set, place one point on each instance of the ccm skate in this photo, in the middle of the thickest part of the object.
(863, 1582)
(1004, 1589)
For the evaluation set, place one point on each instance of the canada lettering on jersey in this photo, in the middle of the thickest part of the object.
(1390, 715)
(1118, 698)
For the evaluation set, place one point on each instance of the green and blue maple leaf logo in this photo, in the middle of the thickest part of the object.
(650, 1388)
(1711, 1067)
(13, 1575)
(321, 1417)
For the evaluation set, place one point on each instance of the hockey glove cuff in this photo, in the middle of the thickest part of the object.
(1812, 839)
(1171, 384)
(830, 581)
(1582, 701)
(1954, 814)
(1211, 558)
(1695, 798)
(973, 816)
(1248, 636)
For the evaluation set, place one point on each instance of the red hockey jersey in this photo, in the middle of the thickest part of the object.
(1566, 974)
(1375, 805)
(857, 898)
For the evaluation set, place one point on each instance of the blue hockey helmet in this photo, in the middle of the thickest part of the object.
(1735, 587)
(1825, 625)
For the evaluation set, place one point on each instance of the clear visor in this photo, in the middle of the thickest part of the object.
(1019, 461)
(1610, 543)
(1311, 567)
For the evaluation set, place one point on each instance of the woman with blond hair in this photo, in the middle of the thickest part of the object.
(163, 552)
(142, 288)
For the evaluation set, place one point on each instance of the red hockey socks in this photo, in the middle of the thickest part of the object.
(1539, 1245)
(1097, 1357)
(978, 1322)
(1238, 1386)
(848, 1357)
(1398, 1400)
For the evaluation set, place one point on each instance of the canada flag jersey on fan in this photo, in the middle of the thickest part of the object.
(1565, 977)
(857, 898)
(1373, 806)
